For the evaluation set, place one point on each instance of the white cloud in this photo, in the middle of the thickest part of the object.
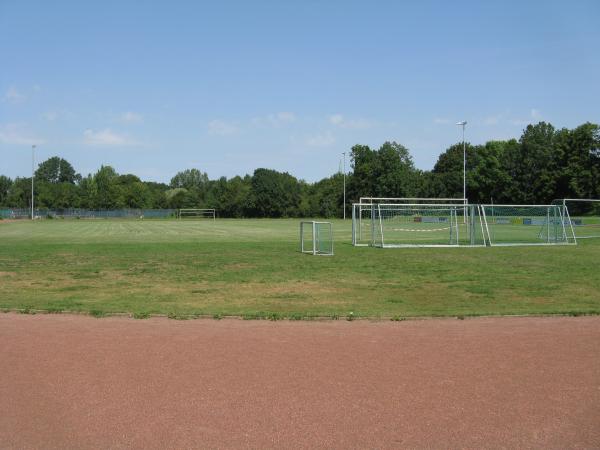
(106, 137)
(321, 140)
(275, 120)
(336, 119)
(519, 122)
(51, 116)
(492, 120)
(131, 117)
(285, 116)
(12, 95)
(355, 124)
(13, 134)
(221, 128)
(535, 115)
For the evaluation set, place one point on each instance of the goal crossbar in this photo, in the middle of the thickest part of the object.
(197, 213)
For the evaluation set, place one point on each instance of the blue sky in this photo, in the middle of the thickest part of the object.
(152, 88)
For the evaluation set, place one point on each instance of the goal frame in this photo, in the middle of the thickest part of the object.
(205, 213)
(470, 214)
(411, 201)
(565, 220)
(313, 225)
(563, 202)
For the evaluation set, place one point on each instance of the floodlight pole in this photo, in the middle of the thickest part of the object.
(463, 124)
(32, 175)
(344, 206)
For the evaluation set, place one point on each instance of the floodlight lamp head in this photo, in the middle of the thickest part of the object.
(463, 123)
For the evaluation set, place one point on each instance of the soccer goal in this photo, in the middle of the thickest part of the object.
(509, 225)
(196, 213)
(395, 225)
(316, 238)
(366, 203)
(585, 216)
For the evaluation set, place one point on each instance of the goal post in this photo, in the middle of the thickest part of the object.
(316, 238)
(197, 213)
(585, 216)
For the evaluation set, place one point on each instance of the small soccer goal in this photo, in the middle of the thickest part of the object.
(509, 225)
(396, 225)
(585, 216)
(316, 238)
(197, 213)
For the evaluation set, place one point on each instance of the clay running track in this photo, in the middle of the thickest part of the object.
(79, 382)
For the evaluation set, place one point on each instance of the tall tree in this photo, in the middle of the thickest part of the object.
(5, 185)
(56, 170)
(190, 179)
(538, 164)
(274, 194)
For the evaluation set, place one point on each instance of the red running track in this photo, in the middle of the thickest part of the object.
(79, 382)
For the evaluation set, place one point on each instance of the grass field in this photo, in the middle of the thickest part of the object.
(253, 268)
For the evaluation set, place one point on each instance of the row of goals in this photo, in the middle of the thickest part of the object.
(398, 224)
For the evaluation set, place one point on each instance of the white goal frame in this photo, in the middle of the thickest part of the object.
(414, 200)
(561, 214)
(474, 233)
(314, 228)
(575, 222)
(197, 213)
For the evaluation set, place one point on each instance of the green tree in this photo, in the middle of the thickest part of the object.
(234, 197)
(56, 170)
(538, 164)
(5, 187)
(274, 194)
(106, 192)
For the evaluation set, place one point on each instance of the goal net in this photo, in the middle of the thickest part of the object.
(196, 213)
(390, 225)
(507, 225)
(316, 238)
(585, 216)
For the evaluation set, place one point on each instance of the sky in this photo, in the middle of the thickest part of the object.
(152, 88)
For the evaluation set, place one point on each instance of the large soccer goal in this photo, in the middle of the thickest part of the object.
(197, 213)
(366, 203)
(585, 216)
(508, 225)
(394, 225)
(316, 238)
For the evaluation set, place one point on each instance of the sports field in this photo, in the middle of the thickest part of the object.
(253, 269)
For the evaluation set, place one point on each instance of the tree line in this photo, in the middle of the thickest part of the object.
(545, 163)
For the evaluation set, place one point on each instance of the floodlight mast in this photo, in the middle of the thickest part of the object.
(344, 206)
(32, 175)
(463, 124)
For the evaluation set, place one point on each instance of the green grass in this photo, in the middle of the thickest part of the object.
(253, 269)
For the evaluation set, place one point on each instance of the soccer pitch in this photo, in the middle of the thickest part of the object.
(254, 269)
